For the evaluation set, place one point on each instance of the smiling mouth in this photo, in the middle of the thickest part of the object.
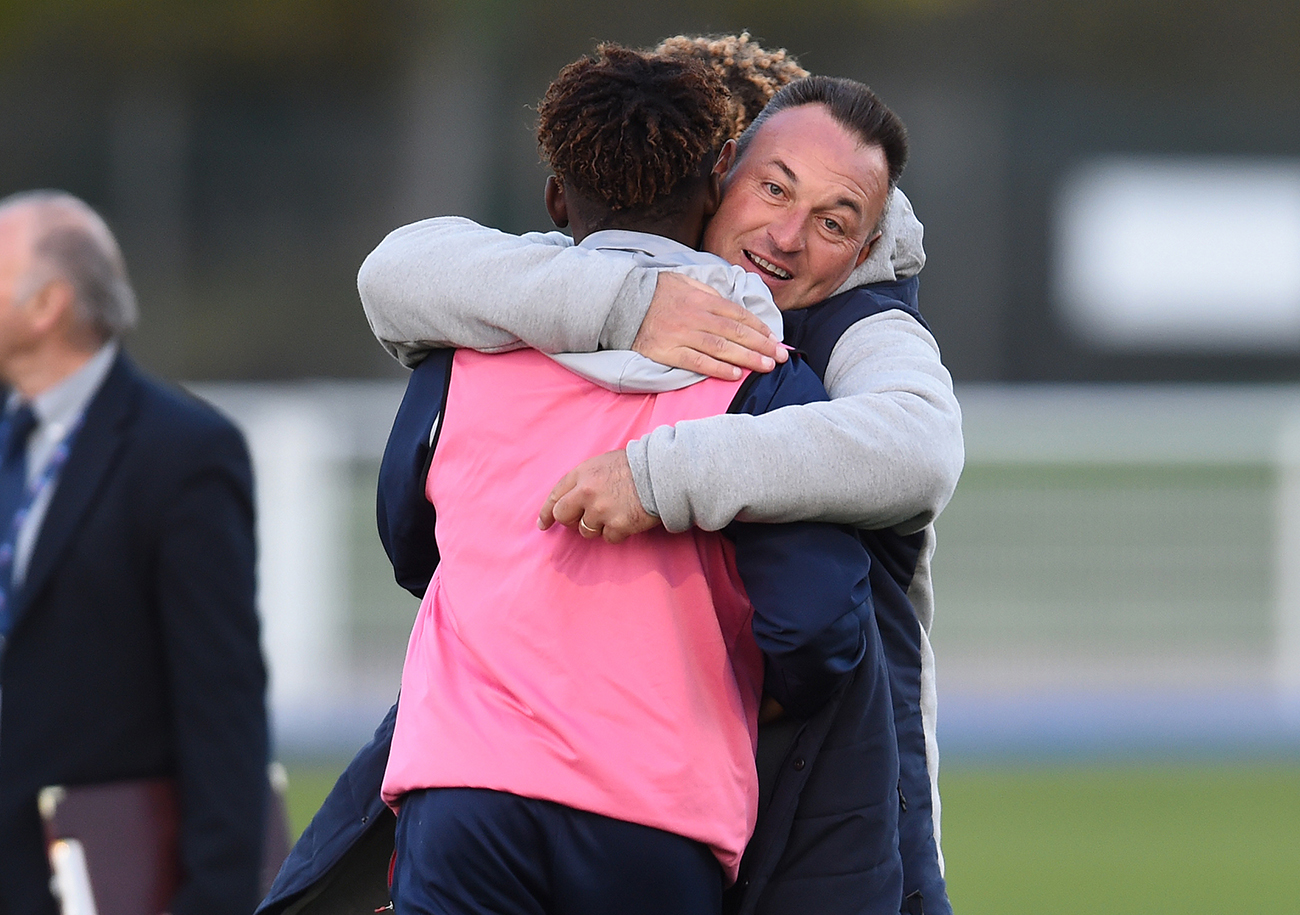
(768, 267)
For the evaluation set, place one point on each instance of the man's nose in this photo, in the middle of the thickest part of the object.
(787, 231)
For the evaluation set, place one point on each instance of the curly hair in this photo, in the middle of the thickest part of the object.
(627, 127)
(751, 73)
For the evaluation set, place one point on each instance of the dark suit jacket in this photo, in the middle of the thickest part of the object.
(136, 648)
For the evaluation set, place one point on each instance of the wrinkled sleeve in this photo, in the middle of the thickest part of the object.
(812, 606)
(449, 282)
(886, 451)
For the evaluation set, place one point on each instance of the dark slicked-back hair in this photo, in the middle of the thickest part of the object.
(852, 105)
(627, 128)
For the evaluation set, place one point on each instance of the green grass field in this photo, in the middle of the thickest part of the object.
(1184, 840)
(309, 782)
(1177, 839)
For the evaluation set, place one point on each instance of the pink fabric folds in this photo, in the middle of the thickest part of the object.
(619, 679)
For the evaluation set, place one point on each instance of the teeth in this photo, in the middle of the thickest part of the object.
(770, 267)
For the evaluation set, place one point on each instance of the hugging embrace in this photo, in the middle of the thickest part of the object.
(736, 535)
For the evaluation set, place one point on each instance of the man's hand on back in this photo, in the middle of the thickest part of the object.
(690, 326)
(599, 498)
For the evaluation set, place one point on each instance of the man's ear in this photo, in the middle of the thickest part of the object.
(556, 206)
(52, 304)
(713, 196)
(726, 160)
(866, 249)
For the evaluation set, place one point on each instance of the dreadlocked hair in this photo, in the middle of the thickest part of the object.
(626, 127)
(751, 73)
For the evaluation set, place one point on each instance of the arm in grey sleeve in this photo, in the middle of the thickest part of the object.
(451, 282)
(886, 451)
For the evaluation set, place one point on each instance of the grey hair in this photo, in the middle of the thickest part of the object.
(72, 243)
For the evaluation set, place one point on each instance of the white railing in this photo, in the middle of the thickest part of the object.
(334, 623)
(1105, 542)
(1126, 557)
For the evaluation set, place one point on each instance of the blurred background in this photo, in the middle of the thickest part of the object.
(1111, 194)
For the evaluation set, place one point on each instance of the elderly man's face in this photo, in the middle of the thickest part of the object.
(800, 209)
(15, 263)
(15, 254)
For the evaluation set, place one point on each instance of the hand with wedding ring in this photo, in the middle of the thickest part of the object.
(599, 498)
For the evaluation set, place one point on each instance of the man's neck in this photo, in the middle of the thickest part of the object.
(587, 216)
(32, 374)
(664, 228)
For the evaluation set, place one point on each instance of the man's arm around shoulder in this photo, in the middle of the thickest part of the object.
(451, 282)
(886, 451)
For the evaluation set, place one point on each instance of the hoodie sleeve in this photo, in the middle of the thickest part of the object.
(885, 451)
(449, 282)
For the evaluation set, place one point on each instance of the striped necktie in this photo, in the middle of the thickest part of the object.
(15, 429)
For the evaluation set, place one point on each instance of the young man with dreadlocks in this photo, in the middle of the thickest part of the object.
(577, 723)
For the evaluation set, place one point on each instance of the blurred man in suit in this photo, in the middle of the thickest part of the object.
(129, 643)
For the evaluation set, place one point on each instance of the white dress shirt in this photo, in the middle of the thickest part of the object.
(57, 410)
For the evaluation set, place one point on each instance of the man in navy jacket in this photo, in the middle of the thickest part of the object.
(130, 641)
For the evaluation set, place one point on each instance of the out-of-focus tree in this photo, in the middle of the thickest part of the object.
(250, 152)
(1154, 40)
(1144, 42)
(148, 33)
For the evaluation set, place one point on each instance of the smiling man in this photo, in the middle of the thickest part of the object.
(807, 188)
(809, 205)
(804, 197)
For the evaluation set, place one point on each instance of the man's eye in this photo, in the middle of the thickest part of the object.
(832, 225)
(774, 189)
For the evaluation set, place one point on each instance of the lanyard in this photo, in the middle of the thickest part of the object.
(31, 493)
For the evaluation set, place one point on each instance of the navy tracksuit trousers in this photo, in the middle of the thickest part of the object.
(468, 851)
